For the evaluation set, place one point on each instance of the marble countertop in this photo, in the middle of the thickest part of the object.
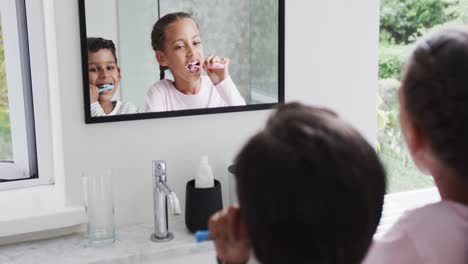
(132, 245)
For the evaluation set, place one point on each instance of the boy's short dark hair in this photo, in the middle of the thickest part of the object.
(310, 188)
(96, 44)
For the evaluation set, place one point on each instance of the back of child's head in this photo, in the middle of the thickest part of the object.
(95, 44)
(158, 34)
(435, 95)
(310, 188)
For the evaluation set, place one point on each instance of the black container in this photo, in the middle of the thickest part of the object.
(200, 204)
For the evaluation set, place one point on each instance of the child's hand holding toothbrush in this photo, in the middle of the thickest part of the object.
(93, 93)
(227, 230)
(216, 69)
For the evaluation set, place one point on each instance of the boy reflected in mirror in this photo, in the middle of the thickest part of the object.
(104, 79)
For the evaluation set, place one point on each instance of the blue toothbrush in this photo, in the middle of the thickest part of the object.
(202, 235)
(106, 87)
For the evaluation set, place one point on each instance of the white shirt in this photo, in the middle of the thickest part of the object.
(121, 108)
(163, 96)
(436, 233)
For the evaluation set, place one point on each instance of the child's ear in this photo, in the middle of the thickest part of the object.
(161, 57)
(120, 75)
(418, 147)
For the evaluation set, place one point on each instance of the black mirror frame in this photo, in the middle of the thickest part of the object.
(148, 115)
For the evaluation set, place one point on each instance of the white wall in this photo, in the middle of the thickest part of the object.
(331, 60)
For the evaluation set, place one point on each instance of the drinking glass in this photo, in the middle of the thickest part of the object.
(99, 202)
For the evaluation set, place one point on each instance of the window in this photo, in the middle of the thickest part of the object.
(44, 206)
(17, 135)
(401, 23)
(6, 152)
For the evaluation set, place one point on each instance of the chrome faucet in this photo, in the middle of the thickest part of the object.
(162, 193)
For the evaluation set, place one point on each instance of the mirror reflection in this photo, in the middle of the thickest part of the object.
(170, 55)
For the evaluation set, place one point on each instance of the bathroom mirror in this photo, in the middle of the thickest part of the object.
(250, 33)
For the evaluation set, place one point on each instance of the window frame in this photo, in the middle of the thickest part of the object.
(26, 67)
(43, 208)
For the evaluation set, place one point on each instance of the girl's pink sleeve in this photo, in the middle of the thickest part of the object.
(228, 91)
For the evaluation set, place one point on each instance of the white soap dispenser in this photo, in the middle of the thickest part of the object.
(204, 177)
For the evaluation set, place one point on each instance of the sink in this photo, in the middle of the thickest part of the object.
(134, 246)
(202, 253)
(195, 255)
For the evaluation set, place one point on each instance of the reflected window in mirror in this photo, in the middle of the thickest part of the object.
(150, 59)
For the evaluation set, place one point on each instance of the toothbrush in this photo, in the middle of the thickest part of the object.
(216, 66)
(202, 235)
(106, 87)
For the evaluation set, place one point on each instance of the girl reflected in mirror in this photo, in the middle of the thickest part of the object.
(178, 47)
(104, 79)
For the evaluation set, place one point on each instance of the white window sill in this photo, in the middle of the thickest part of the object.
(40, 212)
(396, 204)
(36, 209)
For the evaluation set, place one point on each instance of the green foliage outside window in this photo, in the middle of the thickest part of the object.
(5, 130)
(401, 23)
(391, 60)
